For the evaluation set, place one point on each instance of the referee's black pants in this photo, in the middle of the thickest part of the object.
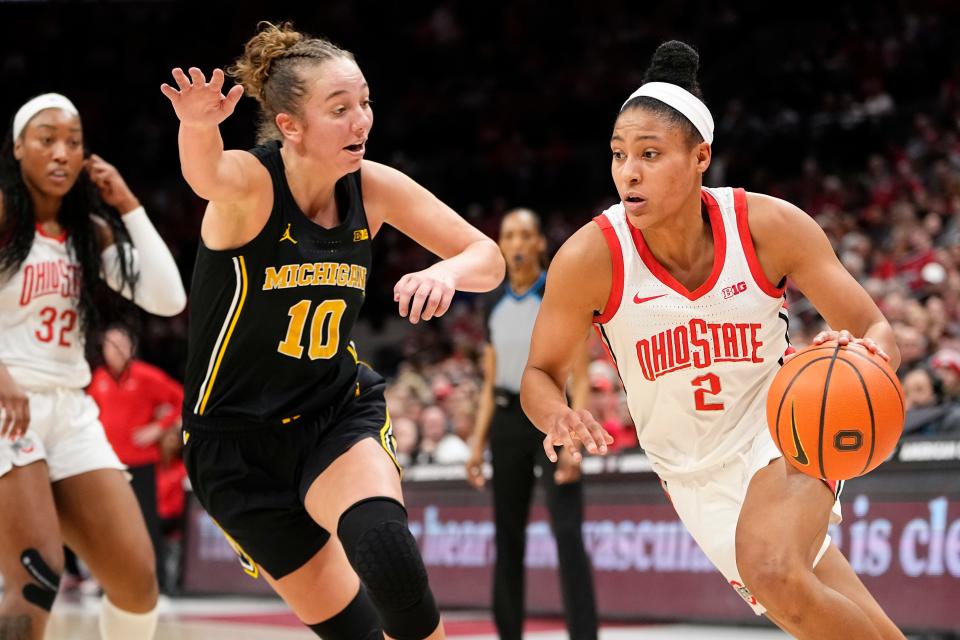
(516, 448)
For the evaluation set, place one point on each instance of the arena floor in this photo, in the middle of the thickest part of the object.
(75, 618)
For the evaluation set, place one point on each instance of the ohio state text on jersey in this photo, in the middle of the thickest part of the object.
(40, 340)
(696, 365)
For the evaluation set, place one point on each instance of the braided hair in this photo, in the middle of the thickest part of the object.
(270, 71)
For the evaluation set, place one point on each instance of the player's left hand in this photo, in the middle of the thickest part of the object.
(424, 294)
(113, 189)
(845, 338)
(572, 429)
(568, 469)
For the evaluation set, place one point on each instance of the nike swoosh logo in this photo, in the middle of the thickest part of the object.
(640, 300)
(801, 456)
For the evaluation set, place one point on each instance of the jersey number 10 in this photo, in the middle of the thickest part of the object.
(323, 344)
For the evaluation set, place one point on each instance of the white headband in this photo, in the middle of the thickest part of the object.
(683, 101)
(38, 104)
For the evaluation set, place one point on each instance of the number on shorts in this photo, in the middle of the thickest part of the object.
(707, 383)
(322, 347)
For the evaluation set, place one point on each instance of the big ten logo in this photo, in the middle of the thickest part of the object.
(729, 292)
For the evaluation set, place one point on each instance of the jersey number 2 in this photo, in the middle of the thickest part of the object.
(708, 383)
(323, 345)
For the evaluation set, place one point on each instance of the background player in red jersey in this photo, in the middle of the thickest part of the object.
(661, 259)
(60, 481)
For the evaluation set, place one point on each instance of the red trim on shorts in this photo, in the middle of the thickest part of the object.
(663, 485)
(746, 240)
(719, 253)
(834, 487)
(61, 237)
(616, 258)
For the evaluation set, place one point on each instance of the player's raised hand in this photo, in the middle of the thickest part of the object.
(572, 428)
(198, 102)
(113, 189)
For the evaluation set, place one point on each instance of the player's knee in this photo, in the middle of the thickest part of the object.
(778, 582)
(42, 569)
(135, 588)
(384, 554)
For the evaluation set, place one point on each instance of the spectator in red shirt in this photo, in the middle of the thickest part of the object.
(138, 403)
(170, 506)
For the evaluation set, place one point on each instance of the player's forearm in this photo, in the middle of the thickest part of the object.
(541, 397)
(481, 426)
(202, 159)
(479, 267)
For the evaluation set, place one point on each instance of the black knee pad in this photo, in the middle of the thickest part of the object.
(384, 554)
(357, 621)
(46, 582)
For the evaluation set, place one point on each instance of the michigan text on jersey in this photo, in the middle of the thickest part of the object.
(331, 274)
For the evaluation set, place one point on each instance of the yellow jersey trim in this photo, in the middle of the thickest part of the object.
(226, 341)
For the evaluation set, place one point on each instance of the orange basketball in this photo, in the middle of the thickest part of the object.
(835, 412)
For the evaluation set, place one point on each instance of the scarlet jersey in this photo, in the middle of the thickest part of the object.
(696, 365)
(40, 339)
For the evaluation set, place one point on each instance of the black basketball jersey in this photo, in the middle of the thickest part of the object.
(270, 322)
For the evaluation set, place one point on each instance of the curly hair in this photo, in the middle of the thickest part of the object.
(270, 71)
(18, 228)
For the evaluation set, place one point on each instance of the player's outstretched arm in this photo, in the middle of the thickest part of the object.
(212, 173)
(470, 260)
(578, 284)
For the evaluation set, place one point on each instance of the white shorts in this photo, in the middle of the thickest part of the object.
(65, 431)
(709, 506)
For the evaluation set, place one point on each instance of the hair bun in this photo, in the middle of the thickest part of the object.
(677, 63)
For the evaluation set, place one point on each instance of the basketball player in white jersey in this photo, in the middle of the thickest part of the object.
(60, 481)
(686, 286)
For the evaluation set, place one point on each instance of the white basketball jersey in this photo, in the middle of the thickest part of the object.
(696, 365)
(40, 339)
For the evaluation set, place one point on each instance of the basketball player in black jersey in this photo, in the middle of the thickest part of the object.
(288, 441)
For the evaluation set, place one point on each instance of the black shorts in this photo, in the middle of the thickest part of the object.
(253, 479)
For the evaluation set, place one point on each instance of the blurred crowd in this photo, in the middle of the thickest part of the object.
(853, 116)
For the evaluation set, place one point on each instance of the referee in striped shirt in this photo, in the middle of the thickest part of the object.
(516, 446)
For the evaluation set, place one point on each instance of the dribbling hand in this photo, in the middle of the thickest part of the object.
(571, 429)
(845, 338)
(425, 294)
(198, 102)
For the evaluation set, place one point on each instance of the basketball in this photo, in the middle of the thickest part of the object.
(836, 412)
